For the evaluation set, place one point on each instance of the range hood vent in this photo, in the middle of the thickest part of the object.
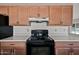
(39, 19)
(38, 22)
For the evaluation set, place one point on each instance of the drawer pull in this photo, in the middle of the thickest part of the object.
(12, 44)
(71, 44)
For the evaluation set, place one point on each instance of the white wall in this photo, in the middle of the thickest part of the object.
(21, 30)
(58, 30)
(53, 30)
(76, 11)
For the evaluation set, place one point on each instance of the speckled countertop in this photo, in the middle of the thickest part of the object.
(56, 38)
(15, 38)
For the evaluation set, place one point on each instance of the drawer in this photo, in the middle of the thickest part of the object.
(63, 44)
(13, 44)
(76, 45)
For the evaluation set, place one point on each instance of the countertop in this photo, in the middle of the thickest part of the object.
(56, 38)
(15, 38)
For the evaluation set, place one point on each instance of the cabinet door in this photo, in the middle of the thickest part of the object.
(4, 10)
(76, 48)
(63, 48)
(43, 11)
(76, 51)
(7, 51)
(55, 15)
(15, 48)
(23, 15)
(62, 51)
(20, 52)
(13, 15)
(7, 48)
(33, 11)
(20, 48)
(67, 15)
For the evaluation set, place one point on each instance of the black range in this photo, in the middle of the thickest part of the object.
(40, 43)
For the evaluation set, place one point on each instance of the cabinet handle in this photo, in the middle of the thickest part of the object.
(71, 44)
(71, 51)
(12, 51)
(12, 44)
(38, 15)
(61, 22)
(17, 22)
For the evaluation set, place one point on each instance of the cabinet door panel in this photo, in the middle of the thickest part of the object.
(76, 48)
(67, 15)
(76, 51)
(23, 15)
(43, 11)
(33, 11)
(7, 51)
(55, 15)
(15, 48)
(4, 10)
(20, 52)
(13, 15)
(62, 51)
(63, 44)
(63, 48)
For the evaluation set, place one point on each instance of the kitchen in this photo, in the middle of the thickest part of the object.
(57, 21)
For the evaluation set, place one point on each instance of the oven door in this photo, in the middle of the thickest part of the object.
(40, 50)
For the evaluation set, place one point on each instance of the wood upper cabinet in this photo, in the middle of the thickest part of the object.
(23, 15)
(60, 15)
(55, 15)
(13, 15)
(18, 15)
(67, 15)
(38, 11)
(4, 10)
(32, 11)
(43, 11)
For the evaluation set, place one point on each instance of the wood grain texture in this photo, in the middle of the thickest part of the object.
(55, 15)
(13, 15)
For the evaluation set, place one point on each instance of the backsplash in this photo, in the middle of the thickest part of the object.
(53, 30)
(20, 31)
(58, 30)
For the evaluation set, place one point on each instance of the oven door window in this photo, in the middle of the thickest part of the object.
(40, 50)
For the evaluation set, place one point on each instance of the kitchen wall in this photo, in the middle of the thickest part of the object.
(75, 12)
(53, 30)
(21, 30)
